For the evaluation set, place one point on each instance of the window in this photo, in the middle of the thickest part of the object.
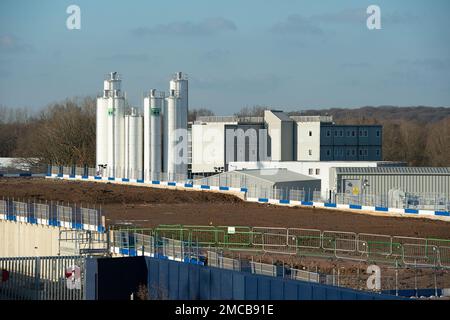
(360, 152)
(365, 152)
(310, 171)
(310, 152)
(378, 133)
(328, 152)
(317, 172)
(378, 152)
(348, 133)
(353, 133)
(328, 133)
(353, 152)
(348, 152)
(340, 133)
(365, 133)
(335, 133)
(310, 133)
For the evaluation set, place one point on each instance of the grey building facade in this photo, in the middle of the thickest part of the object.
(348, 142)
(409, 187)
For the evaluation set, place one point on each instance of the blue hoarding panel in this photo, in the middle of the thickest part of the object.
(238, 286)
(173, 281)
(194, 282)
(205, 281)
(263, 288)
(251, 288)
(226, 288)
(215, 283)
(276, 289)
(183, 285)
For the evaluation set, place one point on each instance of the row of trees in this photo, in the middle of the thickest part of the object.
(64, 132)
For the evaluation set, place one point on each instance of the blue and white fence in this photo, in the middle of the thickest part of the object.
(296, 197)
(52, 214)
(186, 184)
(354, 207)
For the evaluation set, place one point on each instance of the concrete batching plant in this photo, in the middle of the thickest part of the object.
(142, 147)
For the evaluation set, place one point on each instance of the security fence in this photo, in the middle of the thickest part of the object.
(52, 213)
(406, 262)
(42, 278)
(118, 172)
(425, 201)
(415, 201)
(181, 241)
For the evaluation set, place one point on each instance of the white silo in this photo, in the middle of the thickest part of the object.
(116, 111)
(147, 147)
(156, 104)
(153, 105)
(179, 83)
(101, 133)
(171, 131)
(133, 145)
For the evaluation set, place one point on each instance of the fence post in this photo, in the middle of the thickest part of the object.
(37, 276)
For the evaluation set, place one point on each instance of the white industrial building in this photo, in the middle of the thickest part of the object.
(277, 137)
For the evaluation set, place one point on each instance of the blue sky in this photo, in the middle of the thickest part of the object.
(289, 54)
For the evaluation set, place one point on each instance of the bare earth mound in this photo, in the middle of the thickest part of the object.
(147, 207)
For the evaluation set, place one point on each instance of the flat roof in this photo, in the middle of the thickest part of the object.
(281, 115)
(393, 170)
(275, 175)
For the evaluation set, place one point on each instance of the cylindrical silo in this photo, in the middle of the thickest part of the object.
(101, 134)
(147, 148)
(172, 105)
(133, 145)
(179, 83)
(156, 104)
(116, 136)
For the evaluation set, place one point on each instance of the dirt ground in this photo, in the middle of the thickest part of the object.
(148, 207)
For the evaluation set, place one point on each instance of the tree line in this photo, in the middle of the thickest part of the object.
(64, 132)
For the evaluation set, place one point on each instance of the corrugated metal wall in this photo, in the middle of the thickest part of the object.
(382, 183)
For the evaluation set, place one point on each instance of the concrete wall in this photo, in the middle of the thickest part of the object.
(280, 135)
(308, 141)
(208, 147)
(24, 239)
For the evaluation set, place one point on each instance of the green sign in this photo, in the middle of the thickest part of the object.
(154, 111)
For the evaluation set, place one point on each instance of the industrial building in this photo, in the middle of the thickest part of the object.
(277, 137)
(321, 170)
(275, 151)
(409, 186)
(267, 183)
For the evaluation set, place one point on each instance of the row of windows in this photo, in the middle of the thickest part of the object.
(311, 171)
(362, 152)
(352, 133)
